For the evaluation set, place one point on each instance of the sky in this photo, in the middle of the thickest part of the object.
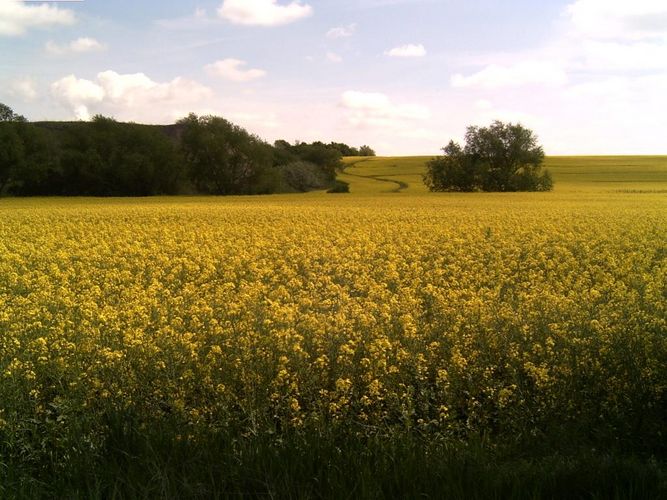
(403, 76)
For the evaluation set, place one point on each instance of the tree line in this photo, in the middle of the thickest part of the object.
(197, 155)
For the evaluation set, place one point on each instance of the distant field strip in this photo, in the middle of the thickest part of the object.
(615, 174)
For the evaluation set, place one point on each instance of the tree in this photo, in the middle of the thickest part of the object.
(501, 157)
(8, 115)
(303, 176)
(344, 149)
(320, 154)
(366, 151)
(224, 158)
(39, 172)
(12, 153)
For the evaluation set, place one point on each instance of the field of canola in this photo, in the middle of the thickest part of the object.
(519, 318)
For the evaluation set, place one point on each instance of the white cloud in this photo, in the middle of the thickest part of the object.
(77, 94)
(263, 12)
(232, 69)
(252, 120)
(483, 104)
(18, 17)
(485, 117)
(129, 96)
(372, 109)
(371, 4)
(197, 20)
(522, 73)
(23, 88)
(616, 115)
(78, 46)
(617, 36)
(601, 80)
(334, 58)
(618, 19)
(606, 56)
(410, 50)
(342, 31)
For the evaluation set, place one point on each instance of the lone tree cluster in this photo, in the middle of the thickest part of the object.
(501, 157)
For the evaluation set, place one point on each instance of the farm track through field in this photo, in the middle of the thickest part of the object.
(401, 185)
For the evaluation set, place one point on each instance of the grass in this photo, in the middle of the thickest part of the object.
(347, 468)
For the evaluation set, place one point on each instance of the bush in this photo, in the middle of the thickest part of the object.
(304, 176)
(340, 187)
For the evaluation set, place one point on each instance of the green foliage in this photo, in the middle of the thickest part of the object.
(344, 149)
(223, 158)
(304, 176)
(283, 154)
(365, 151)
(12, 153)
(324, 161)
(501, 157)
(320, 154)
(39, 173)
(455, 171)
(340, 187)
(101, 158)
(207, 155)
(8, 115)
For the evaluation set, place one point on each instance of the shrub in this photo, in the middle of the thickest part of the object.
(340, 187)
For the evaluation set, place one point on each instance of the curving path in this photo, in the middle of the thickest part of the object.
(400, 185)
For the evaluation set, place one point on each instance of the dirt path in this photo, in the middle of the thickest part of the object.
(400, 185)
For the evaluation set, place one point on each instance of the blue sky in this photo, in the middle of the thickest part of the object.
(405, 76)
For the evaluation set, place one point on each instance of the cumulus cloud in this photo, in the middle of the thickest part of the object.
(197, 20)
(78, 94)
(78, 46)
(409, 50)
(606, 56)
(233, 69)
(265, 120)
(618, 36)
(373, 109)
(342, 31)
(496, 76)
(485, 116)
(601, 36)
(263, 12)
(601, 76)
(16, 18)
(129, 96)
(483, 104)
(619, 18)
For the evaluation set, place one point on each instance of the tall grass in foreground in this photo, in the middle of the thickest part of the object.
(140, 465)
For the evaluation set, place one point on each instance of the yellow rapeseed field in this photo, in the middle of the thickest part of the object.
(440, 314)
